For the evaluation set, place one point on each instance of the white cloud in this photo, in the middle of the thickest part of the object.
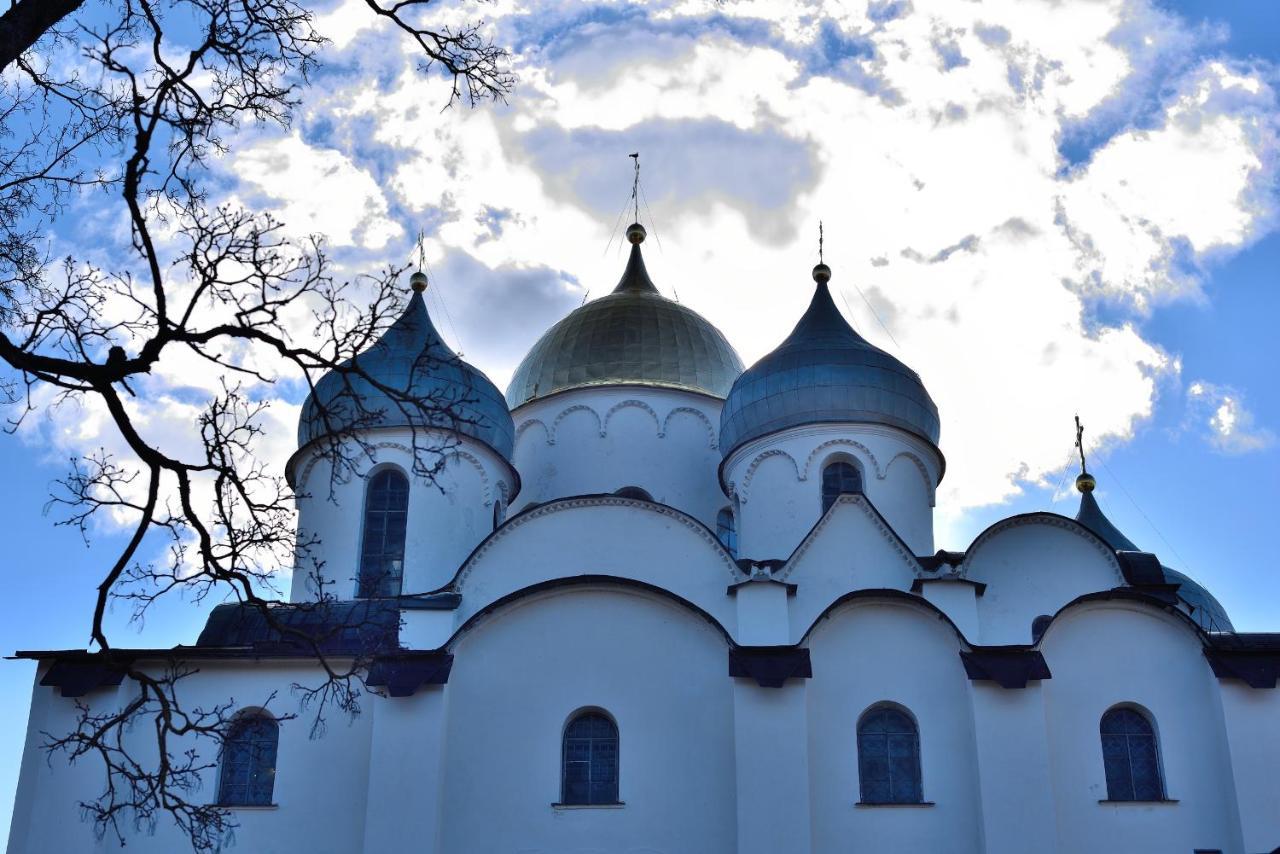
(941, 182)
(1219, 415)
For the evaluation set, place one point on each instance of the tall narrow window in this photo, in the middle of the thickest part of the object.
(248, 773)
(839, 479)
(589, 773)
(386, 512)
(727, 531)
(1130, 756)
(888, 757)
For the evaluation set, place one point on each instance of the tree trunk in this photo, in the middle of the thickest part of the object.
(26, 21)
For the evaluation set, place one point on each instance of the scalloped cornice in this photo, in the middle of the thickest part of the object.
(459, 453)
(661, 424)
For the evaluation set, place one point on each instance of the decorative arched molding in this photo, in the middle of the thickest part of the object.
(929, 485)
(485, 486)
(526, 424)
(565, 413)
(627, 404)
(574, 583)
(712, 438)
(564, 504)
(886, 533)
(823, 450)
(887, 597)
(1052, 520)
(755, 464)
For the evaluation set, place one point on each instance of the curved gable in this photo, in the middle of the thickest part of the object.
(1033, 565)
(600, 535)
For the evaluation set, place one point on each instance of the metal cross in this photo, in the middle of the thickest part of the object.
(635, 184)
(1080, 442)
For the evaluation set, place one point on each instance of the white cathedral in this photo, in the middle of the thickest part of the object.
(654, 603)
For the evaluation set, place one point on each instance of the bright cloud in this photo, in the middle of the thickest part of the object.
(931, 137)
(1218, 413)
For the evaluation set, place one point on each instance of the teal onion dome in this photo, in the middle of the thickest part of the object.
(412, 359)
(632, 336)
(825, 372)
(1206, 610)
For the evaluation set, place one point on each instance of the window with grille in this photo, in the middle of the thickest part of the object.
(386, 516)
(249, 761)
(727, 531)
(1130, 756)
(889, 757)
(838, 479)
(590, 762)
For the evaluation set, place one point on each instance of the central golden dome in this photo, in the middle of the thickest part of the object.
(633, 336)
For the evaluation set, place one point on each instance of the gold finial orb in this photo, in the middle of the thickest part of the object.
(1085, 482)
(418, 281)
(822, 274)
(636, 233)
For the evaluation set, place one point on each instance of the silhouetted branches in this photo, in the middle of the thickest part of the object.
(118, 107)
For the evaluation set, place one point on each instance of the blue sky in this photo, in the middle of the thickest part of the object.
(1019, 296)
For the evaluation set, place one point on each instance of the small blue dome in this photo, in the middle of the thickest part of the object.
(824, 372)
(1205, 609)
(411, 357)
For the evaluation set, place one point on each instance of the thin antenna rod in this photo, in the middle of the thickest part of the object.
(635, 185)
(1080, 443)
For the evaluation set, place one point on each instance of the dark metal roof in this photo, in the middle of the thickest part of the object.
(825, 371)
(413, 359)
(352, 628)
(1205, 609)
(633, 336)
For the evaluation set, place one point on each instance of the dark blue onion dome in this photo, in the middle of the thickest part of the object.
(1205, 609)
(633, 336)
(413, 359)
(825, 372)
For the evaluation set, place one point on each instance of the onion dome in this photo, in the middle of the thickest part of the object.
(1205, 609)
(825, 372)
(412, 359)
(633, 336)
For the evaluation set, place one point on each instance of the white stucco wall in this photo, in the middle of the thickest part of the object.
(871, 652)
(777, 482)
(1108, 653)
(657, 669)
(600, 439)
(447, 518)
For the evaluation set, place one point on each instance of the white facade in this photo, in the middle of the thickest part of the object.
(582, 599)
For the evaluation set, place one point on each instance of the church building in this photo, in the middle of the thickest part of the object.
(654, 603)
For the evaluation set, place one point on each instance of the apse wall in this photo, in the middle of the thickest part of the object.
(519, 676)
(876, 652)
(1119, 653)
(601, 439)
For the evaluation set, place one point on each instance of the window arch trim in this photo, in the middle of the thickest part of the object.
(889, 766)
(851, 479)
(247, 767)
(590, 768)
(390, 528)
(1132, 761)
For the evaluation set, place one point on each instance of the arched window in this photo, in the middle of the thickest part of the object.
(1130, 756)
(633, 492)
(888, 757)
(727, 531)
(386, 514)
(248, 773)
(499, 513)
(839, 478)
(589, 772)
